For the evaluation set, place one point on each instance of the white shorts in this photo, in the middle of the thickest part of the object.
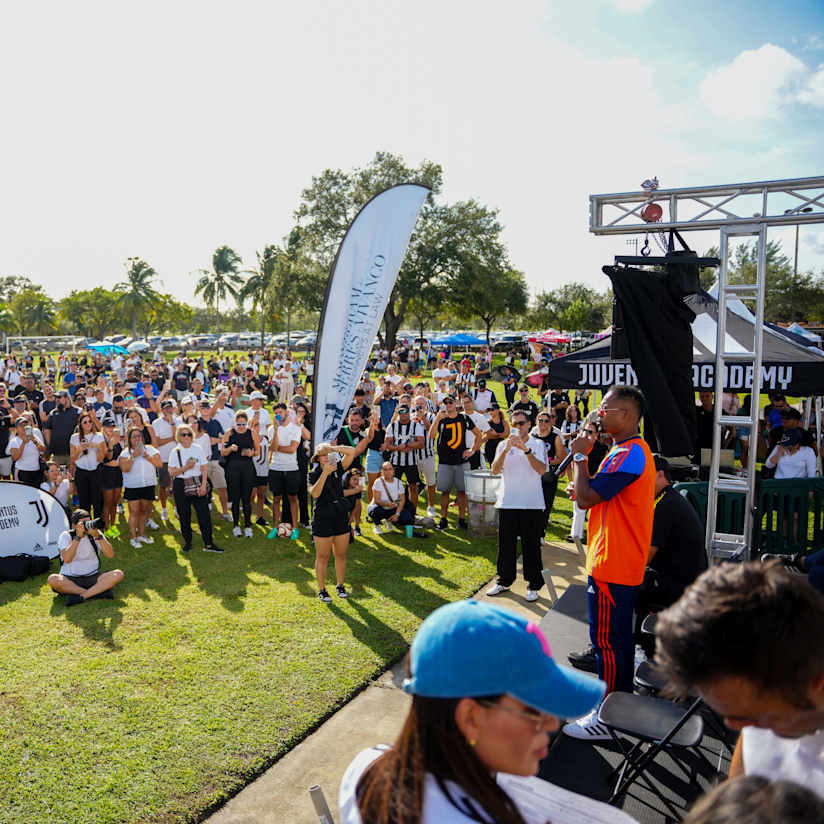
(5, 466)
(426, 466)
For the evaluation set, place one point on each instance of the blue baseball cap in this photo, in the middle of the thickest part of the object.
(469, 649)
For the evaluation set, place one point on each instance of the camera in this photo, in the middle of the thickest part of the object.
(91, 523)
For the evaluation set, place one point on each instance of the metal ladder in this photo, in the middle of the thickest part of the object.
(725, 546)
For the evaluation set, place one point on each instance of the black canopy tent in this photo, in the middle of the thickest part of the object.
(787, 366)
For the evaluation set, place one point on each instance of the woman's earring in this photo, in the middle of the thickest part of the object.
(472, 742)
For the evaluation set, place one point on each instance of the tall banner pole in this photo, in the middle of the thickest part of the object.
(362, 278)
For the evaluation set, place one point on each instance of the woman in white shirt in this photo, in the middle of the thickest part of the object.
(790, 459)
(139, 463)
(486, 694)
(26, 447)
(571, 424)
(388, 499)
(188, 464)
(88, 449)
(80, 577)
(57, 484)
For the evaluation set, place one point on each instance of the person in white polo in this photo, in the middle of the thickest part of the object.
(284, 473)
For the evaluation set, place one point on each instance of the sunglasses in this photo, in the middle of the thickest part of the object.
(186, 435)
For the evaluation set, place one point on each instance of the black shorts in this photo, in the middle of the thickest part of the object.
(328, 522)
(284, 482)
(84, 581)
(111, 478)
(139, 493)
(411, 473)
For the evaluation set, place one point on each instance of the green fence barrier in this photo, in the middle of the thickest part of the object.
(791, 512)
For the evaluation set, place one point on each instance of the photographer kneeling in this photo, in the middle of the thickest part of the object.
(80, 577)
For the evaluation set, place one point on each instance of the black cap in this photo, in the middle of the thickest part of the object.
(166, 404)
(790, 437)
(21, 399)
(481, 382)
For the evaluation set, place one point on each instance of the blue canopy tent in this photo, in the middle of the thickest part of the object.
(459, 339)
(108, 348)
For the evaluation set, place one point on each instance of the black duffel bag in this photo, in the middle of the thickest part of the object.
(20, 567)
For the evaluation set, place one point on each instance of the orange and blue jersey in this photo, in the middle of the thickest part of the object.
(620, 527)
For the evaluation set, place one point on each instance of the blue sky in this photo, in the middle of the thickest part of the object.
(166, 129)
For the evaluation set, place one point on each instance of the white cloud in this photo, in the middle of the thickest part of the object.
(755, 85)
(815, 242)
(631, 6)
(813, 90)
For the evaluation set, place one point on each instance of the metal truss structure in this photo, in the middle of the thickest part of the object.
(737, 210)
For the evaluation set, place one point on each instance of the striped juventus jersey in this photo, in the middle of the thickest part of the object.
(401, 435)
(428, 450)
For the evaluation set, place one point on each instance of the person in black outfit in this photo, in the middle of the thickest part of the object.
(525, 405)
(330, 523)
(498, 431)
(303, 465)
(555, 453)
(239, 446)
(676, 555)
(59, 427)
(704, 417)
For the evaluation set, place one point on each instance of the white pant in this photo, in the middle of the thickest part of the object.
(426, 467)
(579, 517)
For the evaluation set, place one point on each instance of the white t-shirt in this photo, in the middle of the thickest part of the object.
(287, 434)
(164, 429)
(225, 417)
(799, 464)
(437, 808)
(394, 379)
(88, 460)
(204, 441)
(520, 486)
(182, 454)
(387, 493)
(264, 420)
(62, 492)
(483, 399)
(29, 461)
(440, 374)
(789, 759)
(481, 421)
(142, 472)
(84, 561)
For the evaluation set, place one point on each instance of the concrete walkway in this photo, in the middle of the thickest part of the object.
(374, 716)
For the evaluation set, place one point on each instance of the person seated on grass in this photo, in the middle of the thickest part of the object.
(80, 577)
(753, 799)
(486, 694)
(388, 499)
(747, 637)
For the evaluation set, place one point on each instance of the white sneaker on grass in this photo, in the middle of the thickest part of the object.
(145, 539)
(588, 728)
(248, 532)
(496, 589)
(152, 524)
(135, 543)
(226, 516)
(164, 515)
(378, 529)
(432, 512)
(531, 595)
(237, 532)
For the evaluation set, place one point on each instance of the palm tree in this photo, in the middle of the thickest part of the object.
(223, 279)
(137, 288)
(258, 287)
(41, 317)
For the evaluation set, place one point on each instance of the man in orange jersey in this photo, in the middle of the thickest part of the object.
(620, 498)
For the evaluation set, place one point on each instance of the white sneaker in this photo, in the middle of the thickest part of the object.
(588, 728)
(378, 529)
(152, 524)
(145, 539)
(248, 532)
(164, 515)
(226, 516)
(432, 512)
(496, 589)
(237, 532)
(135, 543)
(531, 595)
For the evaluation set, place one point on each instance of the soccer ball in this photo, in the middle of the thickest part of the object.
(284, 530)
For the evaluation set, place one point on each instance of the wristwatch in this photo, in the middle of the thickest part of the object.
(527, 451)
(579, 456)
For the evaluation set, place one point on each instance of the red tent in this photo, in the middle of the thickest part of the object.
(551, 336)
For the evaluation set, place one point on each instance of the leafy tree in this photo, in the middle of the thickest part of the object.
(92, 312)
(33, 312)
(444, 236)
(258, 287)
(136, 291)
(222, 280)
(482, 290)
(425, 306)
(552, 308)
(10, 285)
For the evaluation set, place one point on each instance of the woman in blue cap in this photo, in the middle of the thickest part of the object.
(486, 693)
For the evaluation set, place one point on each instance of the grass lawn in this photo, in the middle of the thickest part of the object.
(204, 669)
